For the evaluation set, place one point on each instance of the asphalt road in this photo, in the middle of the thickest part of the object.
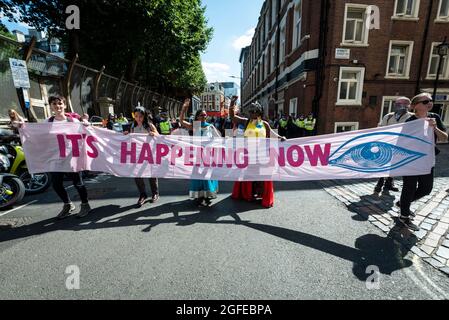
(307, 247)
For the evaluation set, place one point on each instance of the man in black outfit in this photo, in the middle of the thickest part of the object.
(416, 187)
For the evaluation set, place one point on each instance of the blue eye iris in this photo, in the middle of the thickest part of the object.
(375, 156)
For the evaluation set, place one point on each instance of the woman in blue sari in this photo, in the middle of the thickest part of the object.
(203, 191)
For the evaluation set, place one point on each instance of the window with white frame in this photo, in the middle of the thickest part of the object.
(355, 31)
(387, 107)
(434, 62)
(406, 8)
(267, 64)
(282, 45)
(443, 10)
(399, 59)
(350, 86)
(274, 11)
(298, 23)
(346, 126)
(293, 106)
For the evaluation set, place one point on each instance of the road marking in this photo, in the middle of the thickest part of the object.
(15, 209)
(418, 266)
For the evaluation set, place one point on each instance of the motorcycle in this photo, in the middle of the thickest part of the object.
(12, 189)
(34, 183)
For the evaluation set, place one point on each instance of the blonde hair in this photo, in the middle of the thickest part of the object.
(417, 99)
(15, 113)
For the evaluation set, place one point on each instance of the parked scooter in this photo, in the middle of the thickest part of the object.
(34, 183)
(12, 189)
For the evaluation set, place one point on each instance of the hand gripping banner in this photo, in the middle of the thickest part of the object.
(399, 150)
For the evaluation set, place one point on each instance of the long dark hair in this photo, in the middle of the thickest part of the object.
(146, 121)
(197, 114)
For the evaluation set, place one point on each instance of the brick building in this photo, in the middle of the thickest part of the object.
(213, 99)
(337, 59)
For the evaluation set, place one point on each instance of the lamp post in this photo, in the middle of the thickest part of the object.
(443, 51)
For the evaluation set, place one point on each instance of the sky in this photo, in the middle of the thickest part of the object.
(233, 21)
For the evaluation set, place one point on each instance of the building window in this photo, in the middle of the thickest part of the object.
(355, 31)
(273, 56)
(387, 107)
(350, 86)
(293, 106)
(399, 59)
(433, 64)
(274, 10)
(346, 126)
(406, 9)
(282, 45)
(443, 10)
(298, 23)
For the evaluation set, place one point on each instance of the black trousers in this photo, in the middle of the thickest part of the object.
(154, 185)
(388, 182)
(415, 187)
(58, 185)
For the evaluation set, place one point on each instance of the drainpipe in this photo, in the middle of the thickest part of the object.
(320, 75)
(277, 47)
(423, 48)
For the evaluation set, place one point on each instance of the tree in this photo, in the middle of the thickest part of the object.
(154, 42)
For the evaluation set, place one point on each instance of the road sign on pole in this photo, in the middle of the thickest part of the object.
(19, 73)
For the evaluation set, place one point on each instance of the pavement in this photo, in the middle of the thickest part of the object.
(431, 243)
(316, 243)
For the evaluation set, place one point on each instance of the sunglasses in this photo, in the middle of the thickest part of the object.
(425, 102)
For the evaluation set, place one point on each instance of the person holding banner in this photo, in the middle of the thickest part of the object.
(417, 187)
(203, 191)
(58, 106)
(143, 125)
(400, 115)
(255, 127)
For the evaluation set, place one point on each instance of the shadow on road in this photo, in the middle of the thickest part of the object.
(370, 250)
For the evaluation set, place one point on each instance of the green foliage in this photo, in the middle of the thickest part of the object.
(155, 42)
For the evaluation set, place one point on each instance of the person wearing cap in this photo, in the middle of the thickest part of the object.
(417, 187)
(399, 115)
(309, 125)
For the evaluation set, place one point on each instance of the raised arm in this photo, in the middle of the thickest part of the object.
(184, 109)
(236, 119)
(273, 133)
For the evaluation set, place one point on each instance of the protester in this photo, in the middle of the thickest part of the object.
(283, 122)
(292, 129)
(58, 106)
(400, 115)
(255, 127)
(142, 125)
(14, 120)
(85, 118)
(417, 187)
(203, 191)
(110, 121)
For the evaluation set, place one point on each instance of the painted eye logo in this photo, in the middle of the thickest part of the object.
(375, 156)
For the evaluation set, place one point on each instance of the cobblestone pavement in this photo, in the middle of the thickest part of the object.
(430, 243)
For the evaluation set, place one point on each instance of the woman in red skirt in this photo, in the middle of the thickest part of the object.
(255, 127)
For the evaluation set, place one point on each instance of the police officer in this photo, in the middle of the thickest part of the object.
(165, 126)
(300, 123)
(283, 122)
(309, 125)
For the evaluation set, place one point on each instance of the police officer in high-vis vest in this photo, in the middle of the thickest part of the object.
(165, 126)
(301, 124)
(283, 126)
(309, 125)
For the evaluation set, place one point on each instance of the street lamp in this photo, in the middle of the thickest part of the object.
(443, 51)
